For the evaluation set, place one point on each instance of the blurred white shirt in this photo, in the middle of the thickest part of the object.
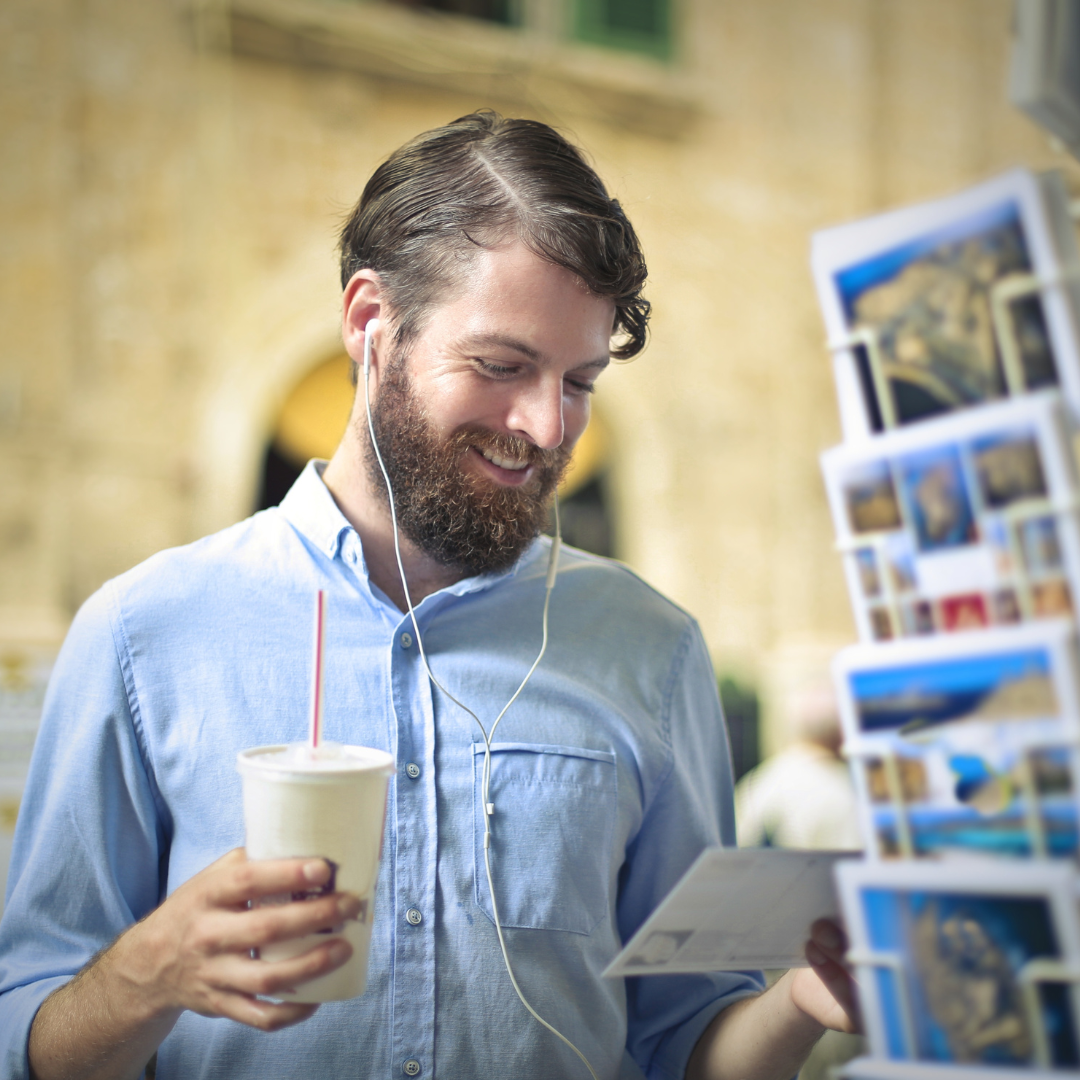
(800, 798)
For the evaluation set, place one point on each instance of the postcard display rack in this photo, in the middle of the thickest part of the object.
(954, 329)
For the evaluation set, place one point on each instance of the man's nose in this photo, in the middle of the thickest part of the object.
(537, 414)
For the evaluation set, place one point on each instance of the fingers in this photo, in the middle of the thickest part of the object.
(236, 973)
(841, 987)
(244, 930)
(830, 939)
(826, 951)
(235, 879)
(194, 949)
(264, 1015)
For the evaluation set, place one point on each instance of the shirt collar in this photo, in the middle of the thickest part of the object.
(312, 511)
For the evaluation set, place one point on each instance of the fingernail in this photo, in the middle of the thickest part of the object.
(814, 954)
(829, 938)
(340, 951)
(316, 871)
(348, 906)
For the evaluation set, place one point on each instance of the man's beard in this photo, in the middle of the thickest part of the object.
(460, 520)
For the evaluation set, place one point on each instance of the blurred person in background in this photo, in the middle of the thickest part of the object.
(802, 797)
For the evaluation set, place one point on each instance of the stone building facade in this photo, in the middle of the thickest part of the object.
(175, 173)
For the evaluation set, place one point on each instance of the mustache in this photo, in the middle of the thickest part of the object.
(509, 446)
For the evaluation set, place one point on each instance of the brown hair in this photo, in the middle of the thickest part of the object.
(471, 184)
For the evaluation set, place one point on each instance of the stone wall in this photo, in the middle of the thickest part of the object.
(167, 273)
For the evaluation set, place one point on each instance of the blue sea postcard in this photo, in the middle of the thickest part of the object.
(969, 744)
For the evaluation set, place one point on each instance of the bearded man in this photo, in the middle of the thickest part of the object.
(502, 277)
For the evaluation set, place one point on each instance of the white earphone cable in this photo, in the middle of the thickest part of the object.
(489, 808)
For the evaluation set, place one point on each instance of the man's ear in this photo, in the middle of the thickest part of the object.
(362, 301)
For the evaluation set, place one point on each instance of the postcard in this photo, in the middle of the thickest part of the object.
(949, 304)
(963, 523)
(935, 496)
(970, 743)
(958, 963)
(735, 909)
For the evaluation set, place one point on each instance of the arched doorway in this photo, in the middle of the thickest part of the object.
(309, 425)
(584, 495)
(313, 417)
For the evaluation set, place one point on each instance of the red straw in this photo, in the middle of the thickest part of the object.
(315, 736)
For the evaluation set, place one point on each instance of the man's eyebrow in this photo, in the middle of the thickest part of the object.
(502, 341)
(505, 342)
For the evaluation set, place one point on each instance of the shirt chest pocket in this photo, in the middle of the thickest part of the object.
(552, 835)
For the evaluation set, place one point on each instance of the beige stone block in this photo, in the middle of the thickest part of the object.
(167, 274)
(118, 519)
(33, 552)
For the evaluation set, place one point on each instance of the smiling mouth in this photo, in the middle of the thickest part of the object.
(511, 464)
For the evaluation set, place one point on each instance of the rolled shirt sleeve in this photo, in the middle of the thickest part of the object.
(90, 836)
(667, 1014)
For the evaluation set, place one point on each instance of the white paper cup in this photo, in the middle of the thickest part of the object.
(330, 804)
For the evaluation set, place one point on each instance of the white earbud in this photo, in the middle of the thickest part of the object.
(372, 326)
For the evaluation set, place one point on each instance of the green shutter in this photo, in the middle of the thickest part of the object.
(634, 25)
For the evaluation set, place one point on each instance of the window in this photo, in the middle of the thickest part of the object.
(641, 26)
(634, 25)
(497, 11)
(608, 59)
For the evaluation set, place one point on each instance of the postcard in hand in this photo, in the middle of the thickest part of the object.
(958, 963)
(953, 303)
(963, 523)
(971, 743)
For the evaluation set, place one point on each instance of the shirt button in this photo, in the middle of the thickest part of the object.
(412, 770)
(406, 641)
(413, 918)
(411, 1067)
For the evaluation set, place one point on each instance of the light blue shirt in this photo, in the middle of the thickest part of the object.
(610, 775)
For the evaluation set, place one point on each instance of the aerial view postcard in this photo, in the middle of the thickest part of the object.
(966, 523)
(918, 300)
(997, 801)
(966, 744)
(959, 964)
